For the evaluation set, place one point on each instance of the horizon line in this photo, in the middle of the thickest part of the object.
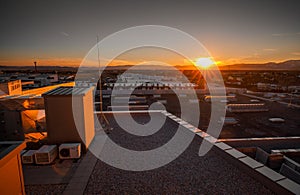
(182, 65)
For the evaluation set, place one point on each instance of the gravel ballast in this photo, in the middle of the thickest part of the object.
(188, 174)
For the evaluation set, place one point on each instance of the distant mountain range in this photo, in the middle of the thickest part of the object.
(286, 65)
(290, 65)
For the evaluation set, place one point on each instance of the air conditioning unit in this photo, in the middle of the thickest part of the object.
(46, 154)
(69, 150)
(28, 157)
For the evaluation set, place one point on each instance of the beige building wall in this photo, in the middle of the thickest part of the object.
(60, 123)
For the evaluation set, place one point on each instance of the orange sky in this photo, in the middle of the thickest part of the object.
(132, 58)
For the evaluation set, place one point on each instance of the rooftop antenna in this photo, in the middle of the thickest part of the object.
(100, 88)
(99, 75)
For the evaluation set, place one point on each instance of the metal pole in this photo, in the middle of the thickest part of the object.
(100, 81)
(100, 88)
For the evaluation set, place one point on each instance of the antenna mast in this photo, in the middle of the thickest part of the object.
(107, 126)
(100, 79)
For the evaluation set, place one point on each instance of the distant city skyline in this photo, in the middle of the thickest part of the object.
(62, 32)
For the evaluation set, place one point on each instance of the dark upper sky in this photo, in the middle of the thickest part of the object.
(61, 32)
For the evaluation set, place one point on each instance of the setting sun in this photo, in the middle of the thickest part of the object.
(204, 62)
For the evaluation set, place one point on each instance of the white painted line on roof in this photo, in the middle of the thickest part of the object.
(189, 126)
(257, 139)
(285, 150)
(183, 122)
(197, 130)
(211, 139)
(223, 146)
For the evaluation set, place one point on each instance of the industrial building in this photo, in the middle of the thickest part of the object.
(32, 80)
(23, 113)
(11, 88)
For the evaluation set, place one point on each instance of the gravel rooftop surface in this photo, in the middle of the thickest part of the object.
(256, 124)
(188, 174)
(45, 189)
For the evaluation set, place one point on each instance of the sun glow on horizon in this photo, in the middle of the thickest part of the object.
(205, 62)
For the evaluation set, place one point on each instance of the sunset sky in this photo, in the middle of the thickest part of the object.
(62, 32)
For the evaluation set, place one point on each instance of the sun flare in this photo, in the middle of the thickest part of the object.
(204, 62)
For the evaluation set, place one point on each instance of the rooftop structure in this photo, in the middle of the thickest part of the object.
(23, 113)
(229, 98)
(11, 174)
(222, 170)
(11, 88)
(61, 126)
(67, 91)
(279, 153)
(33, 93)
(229, 120)
(247, 108)
(31, 80)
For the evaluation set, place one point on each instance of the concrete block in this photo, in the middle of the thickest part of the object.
(275, 161)
(251, 162)
(211, 139)
(196, 130)
(223, 146)
(290, 185)
(235, 153)
(290, 173)
(261, 156)
(274, 176)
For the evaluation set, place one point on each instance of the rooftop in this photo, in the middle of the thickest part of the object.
(188, 174)
(257, 124)
(66, 91)
(222, 170)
